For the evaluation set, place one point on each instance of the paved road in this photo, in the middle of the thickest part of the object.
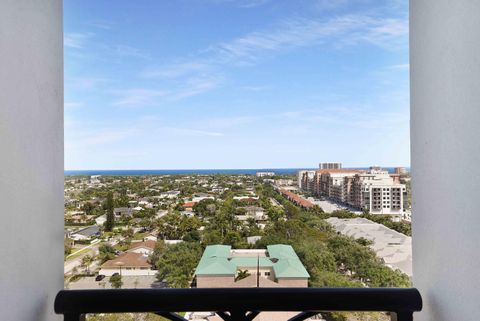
(69, 265)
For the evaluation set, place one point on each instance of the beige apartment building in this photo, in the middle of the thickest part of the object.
(305, 179)
(379, 192)
(330, 183)
(375, 190)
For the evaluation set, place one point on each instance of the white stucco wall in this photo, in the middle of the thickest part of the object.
(125, 272)
(31, 158)
(445, 133)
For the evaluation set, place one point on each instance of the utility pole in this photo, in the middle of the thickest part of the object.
(258, 271)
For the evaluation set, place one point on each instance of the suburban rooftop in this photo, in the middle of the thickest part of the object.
(222, 260)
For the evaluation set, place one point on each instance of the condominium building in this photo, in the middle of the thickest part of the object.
(379, 192)
(374, 190)
(330, 183)
(277, 266)
(330, 166)
(305, 179)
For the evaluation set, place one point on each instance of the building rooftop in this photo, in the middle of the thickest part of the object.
(222, 260)
(297, 198)
(394, 248)
(128, 259)
(88, 231)
(150, 244)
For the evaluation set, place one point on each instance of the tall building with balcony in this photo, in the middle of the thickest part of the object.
(379, 192)
(330, 183)
(305, 180)
(375, 190)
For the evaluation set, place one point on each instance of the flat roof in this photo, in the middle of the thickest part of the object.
(394, 248)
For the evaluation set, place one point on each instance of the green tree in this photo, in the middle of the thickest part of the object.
(116, 281)
(110, 217)
(158, 251)
(242, 275)
(177, 264)
(86, 261)
(106, 252)
(88, 207)
(67, 245)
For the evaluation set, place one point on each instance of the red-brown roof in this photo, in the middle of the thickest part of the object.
(297, 199)
(128, 259)
(147, 244)
(321, 171)
(189, 204)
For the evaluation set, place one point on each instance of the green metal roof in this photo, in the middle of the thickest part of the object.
(281, 251)
(288, 265)
(217, 260)
(251, 261)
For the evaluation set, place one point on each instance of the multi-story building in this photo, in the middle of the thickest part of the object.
(330, 166)
(265, 174)
(330, 183)
(400, 170)
(374, 190)
(379, 192)
(305, 180)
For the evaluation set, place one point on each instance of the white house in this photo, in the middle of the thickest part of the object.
(86, 233)
(100, 220)
(145, 247)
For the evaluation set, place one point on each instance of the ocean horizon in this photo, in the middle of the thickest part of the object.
(240, 171)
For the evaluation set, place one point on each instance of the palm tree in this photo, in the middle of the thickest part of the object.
(242, 275)
(86, 261)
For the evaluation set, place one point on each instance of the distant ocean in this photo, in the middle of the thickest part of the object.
(142, 172)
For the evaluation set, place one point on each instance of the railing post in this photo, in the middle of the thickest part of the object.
(74, 317)
(401, 316)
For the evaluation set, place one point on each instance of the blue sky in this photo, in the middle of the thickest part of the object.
(235, 83)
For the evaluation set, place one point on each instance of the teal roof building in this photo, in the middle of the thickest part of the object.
(278, 265)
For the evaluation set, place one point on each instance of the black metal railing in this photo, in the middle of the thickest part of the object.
(239, 304)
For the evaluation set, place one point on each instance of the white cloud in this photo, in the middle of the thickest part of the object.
(85, 82)
(138, 97)
(339, 31)
(100, 24)
(191, 132)
(400, 67)
(75, 40)
(72, 105)
(197, 85)
(125, 50)
(175, 70)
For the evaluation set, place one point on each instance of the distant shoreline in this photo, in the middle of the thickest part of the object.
(144, 172)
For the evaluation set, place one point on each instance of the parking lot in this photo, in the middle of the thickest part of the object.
(129, 282)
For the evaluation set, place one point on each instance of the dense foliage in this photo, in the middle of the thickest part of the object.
(176, 263)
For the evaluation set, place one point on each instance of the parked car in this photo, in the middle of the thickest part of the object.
(100, 277)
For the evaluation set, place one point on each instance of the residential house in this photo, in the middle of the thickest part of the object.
(122, 211)
(145, 247)
(86, 233)
(129, 263)
(101, 219)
